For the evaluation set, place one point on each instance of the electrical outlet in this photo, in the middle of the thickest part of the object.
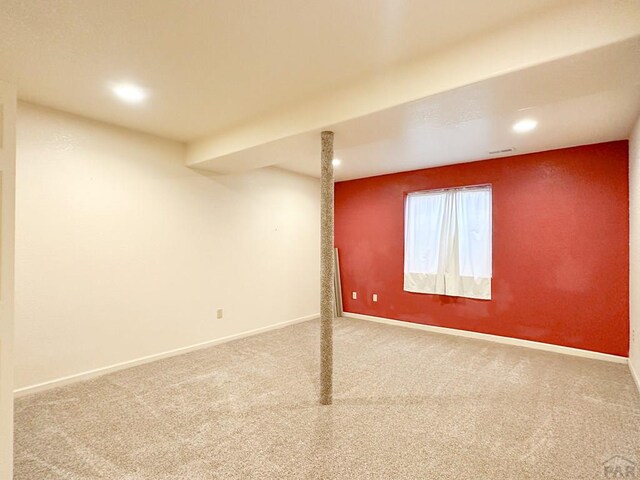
(354, 295)
(219, 313)
(375, 297)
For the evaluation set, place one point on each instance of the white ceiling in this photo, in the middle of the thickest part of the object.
(587, 98)
(601, 117)
(212, 64)
(236, 78)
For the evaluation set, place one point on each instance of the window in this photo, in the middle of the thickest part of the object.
(447, 242)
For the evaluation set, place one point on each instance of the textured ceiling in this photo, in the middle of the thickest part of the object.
(211, 64)
(586, 98)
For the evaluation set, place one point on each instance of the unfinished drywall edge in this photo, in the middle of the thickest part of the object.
(576, 352)
(78, 377)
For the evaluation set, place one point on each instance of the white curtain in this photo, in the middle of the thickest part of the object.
(447, 244)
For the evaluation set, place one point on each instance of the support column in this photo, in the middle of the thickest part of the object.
(326, 270)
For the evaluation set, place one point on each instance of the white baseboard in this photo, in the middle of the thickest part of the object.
(635, 375)
(58, 382)
(495, 338)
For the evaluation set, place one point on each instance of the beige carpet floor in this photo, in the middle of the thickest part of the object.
(408, 404)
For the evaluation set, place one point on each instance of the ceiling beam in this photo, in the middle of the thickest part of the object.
(568, 30)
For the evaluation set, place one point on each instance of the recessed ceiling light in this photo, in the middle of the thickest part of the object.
(525, 125)
(336, 162)
(129, 92)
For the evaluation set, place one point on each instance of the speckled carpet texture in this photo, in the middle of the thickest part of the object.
(407, 404)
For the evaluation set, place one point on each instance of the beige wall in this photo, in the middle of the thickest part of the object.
(7, 172)
(634, 250)
(123, 252)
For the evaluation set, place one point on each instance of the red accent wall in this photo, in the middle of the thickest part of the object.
(560, 247)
